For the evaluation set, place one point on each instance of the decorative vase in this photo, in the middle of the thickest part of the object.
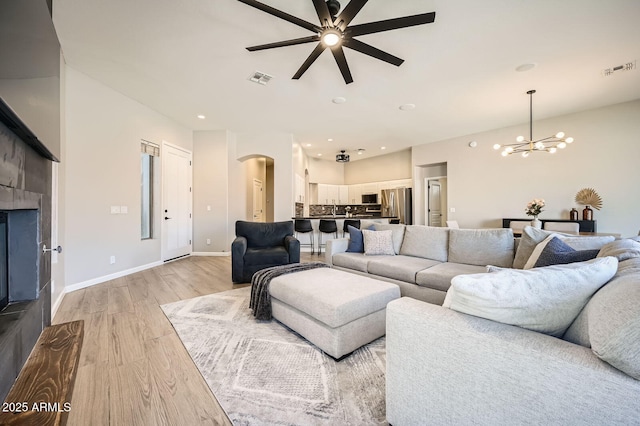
(536, 223)
(587, 213)
(573, 214)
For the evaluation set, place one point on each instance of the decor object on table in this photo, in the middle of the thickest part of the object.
(549, 144)
(573, 214)
(335, 32)
(261, 245)
(588, 197)
(534, 208)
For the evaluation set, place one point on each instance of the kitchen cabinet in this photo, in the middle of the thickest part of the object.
(299, 192)
(370, 188)
(343, 194)
(355, 194)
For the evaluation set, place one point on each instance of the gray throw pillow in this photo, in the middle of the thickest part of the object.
(530, 238)
(378, 243)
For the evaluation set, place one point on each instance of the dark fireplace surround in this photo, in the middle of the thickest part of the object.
(25, 196)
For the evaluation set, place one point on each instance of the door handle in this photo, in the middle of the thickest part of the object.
(166, 218)
(45, 249)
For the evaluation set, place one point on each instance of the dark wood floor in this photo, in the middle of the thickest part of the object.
(133, 368)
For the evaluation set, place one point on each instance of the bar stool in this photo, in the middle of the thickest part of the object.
(303, 226)
(350, 222)
(326, 226)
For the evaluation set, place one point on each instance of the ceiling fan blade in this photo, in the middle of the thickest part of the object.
(310, 60)
(349, 12)
(391, 24)
(284, 43)
(323, 13)
(372, 51)
(282, 15)
(338, 53)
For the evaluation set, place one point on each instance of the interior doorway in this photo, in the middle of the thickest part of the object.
(434, 202)
(258, 207)
(176, 202)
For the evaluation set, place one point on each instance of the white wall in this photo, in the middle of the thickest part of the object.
(484, 187)
(393, 166)
(326, 171)
(102, 168)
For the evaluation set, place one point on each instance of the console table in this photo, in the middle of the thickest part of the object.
(585, 225)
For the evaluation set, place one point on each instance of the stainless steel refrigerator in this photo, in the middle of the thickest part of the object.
(397, 202)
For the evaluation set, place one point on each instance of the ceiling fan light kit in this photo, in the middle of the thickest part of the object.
(334, 32)
(525, 147)
(342, 157)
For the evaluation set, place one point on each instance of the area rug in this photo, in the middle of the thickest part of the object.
(263, 373)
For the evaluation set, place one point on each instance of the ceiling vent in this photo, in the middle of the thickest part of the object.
(342, 157)
(629, 66)
(260, 78)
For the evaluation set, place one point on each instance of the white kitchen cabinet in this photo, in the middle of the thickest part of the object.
(323, 193)
(370, 188)
(355, 194)
(333, 194)
(299, 192)
(343, 194)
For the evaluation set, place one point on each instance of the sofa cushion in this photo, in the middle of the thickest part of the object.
(429, 242)
(266, 256)
(439, 276)
(377, 243)
(614, 324)
(629, 266)
(397, 233)
(577, 243)
(481, 246)
(356, 261)
(622, 249)
(546, 299)
(403, 268)
(556, 252)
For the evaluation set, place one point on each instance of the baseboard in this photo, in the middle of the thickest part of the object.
(105, 278)
(57, 303)
(211, 253)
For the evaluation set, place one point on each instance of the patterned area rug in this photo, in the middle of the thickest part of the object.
(263, 373)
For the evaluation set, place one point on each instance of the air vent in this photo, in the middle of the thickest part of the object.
(260, 78)
(629, 66)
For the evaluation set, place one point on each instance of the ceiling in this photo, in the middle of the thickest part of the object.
(187, 57)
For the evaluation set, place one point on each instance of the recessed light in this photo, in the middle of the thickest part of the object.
(525, 67)
(330, 140)
(308, 144)
(319, 155)
(383, 147)
(339, 100)
(407, 107)
(201, 117)
(473, 144)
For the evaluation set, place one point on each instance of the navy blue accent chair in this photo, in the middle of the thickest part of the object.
(262, 245)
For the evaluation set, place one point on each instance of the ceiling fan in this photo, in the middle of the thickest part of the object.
(335, 33)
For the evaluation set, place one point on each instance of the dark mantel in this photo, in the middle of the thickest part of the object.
(585, 225)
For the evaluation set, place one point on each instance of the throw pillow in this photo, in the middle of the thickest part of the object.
(576, 243)
(377, 243)
(556, 253)
(529, 239)
(398, 233)
(356, 243)
(546, 299)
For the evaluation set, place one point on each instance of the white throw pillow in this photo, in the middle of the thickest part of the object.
(377, 243)
(545, 299)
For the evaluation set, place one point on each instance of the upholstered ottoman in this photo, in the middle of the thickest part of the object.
(336, 311)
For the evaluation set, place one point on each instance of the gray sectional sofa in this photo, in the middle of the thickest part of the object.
(447, 367)
(427, 258)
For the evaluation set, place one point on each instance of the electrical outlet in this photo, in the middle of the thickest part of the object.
(112, 260)
(208, 241)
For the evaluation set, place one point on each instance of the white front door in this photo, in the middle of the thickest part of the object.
(176, 202)
(257, 201)
(434, 207)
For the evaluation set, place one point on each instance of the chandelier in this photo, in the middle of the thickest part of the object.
(550, 144)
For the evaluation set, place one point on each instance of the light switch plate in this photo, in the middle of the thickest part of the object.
(115, 209)
(452, 210)
(124, 209)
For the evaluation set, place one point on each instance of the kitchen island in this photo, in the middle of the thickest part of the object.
(315, 222)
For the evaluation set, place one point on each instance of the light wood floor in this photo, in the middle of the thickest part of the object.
(133, 368)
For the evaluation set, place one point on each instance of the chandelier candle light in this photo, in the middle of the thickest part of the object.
(549, 144)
